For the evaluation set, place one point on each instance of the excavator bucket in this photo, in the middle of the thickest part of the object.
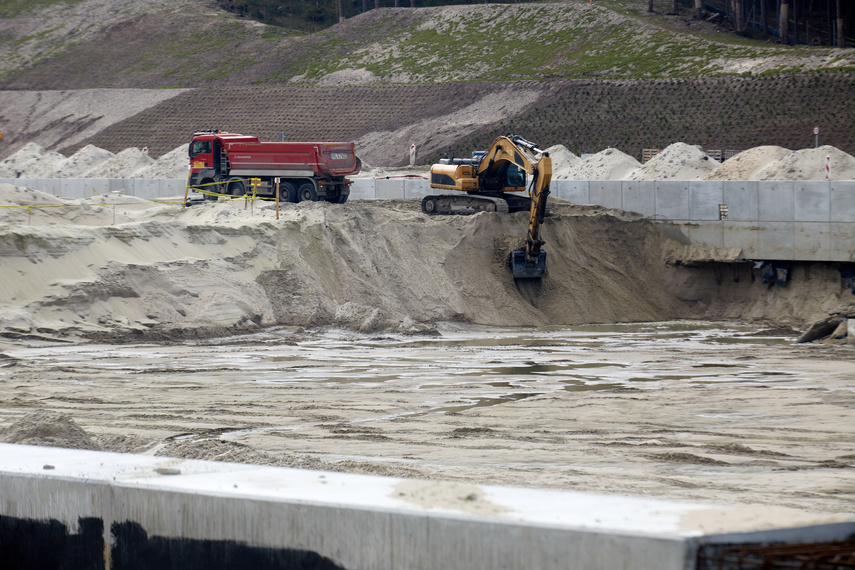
(520, 269)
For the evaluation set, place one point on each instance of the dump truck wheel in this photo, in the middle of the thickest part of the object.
(288, 192)
(236, 188)
(308, 193)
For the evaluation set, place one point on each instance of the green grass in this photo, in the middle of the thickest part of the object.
(535, 41)
(15, 8)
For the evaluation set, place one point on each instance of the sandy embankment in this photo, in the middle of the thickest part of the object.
(92, 267)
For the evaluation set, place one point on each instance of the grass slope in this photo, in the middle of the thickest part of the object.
(608, 74)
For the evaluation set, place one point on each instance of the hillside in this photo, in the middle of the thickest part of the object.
(447, 79)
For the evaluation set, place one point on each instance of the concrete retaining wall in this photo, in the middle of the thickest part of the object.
(87, 187)
(83, 509)
(775, 220)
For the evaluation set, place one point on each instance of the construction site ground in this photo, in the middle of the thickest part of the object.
(369, 337)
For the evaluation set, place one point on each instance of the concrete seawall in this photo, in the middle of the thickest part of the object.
(773, 221)
(86, 509)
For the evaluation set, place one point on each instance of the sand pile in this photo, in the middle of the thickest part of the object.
(809, 164)
(609, 164)
(679, 161)
(173, 164)
(747, 164)
(50, 429)
(29, 162)
(562, 161)
(84, 160)
(126, 164)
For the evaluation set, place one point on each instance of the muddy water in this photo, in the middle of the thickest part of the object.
(707, 411)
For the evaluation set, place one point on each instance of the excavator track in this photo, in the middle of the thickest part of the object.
(449, 204)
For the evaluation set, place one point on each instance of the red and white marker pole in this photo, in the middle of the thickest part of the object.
(828, 167)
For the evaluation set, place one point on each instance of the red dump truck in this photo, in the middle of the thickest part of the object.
(224, 163)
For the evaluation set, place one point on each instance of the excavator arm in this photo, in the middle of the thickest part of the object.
(530, 262)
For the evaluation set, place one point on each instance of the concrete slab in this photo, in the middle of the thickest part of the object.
(606, 193)
(576, 191)
(639, 196)
(842, 201)
(706, 233)
(204, 509)
(362, 189)
(672, 200)
(842, 241)
(416, 188)
(123, 185)
(812, 241)
(775, 201)
(744, 235)
(50, 185)
(742, 200)
(385, 189)
(811, 202)
(705, 198)
(776, 240)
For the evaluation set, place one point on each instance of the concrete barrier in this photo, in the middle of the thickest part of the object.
(85, 509)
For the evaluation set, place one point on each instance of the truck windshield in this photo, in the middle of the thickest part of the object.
(200, 147)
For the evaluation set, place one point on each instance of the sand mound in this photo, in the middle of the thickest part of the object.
(50, 429)
(125, 164)
(562, 161)
(679, 161)
(747, 164)
(173, 164)
(87, 158)
(30, 161)
(809, 164)
(367, 265)
(609, 164)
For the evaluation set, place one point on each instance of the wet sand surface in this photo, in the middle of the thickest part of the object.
(712, 412)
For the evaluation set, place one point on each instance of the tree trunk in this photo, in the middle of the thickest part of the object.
(795, 21)
(650, 6)
(412, 3)
(397, 3)
(365, 6)
(738, 16)
(783, 22)
(763, 20)
(674, 8)
(841, 40)
(376, 3)
(699, 9)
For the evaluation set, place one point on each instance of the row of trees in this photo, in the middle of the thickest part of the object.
(799, 21)
(313, 15)
(793, 21)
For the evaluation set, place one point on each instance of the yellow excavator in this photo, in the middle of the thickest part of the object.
(491, 181)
